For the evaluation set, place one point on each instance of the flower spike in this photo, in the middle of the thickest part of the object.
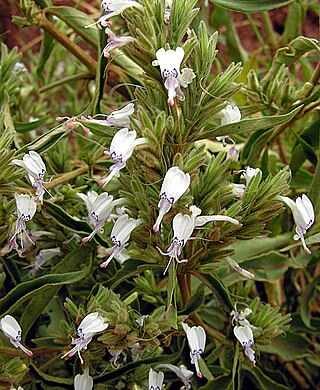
(115, 42)
(229, 115)
(183, 226)
(182, 372)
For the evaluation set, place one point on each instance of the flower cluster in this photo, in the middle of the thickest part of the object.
(114, 8)
(99, 209)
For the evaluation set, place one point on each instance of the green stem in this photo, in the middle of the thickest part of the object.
(314, 190)
(278, 130)
(259, 37)
(272, 38)
(185, 293)
(75, 77)
(67, 176)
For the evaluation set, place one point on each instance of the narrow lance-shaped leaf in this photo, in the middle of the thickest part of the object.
(250, 6)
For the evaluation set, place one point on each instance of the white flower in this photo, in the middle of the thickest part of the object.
(99, 209)
(19, 67)
(229, 115)
(155, 380)
(169, 62)
(183, 226)
(174, 185)
(115, 7)
(84, 381)
(140, 321)
(26, 208)
(233, 153)
(121, 149)
(91, 324)
(42, 257)
(182, 372)
(200, 220)
(12, 330)
(115, 42)
(238, 190)
(197, 341)
(303, 214)
(167, 11)
(118, 118)
(241, 316)
(249, 173)
(245, 336)
(13, 388)
(244, 332)
(234, 265)
(36, 169)
(120, 235)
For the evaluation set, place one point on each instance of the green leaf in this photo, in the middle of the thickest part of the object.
(263, 381)
(289, 55)
(77, 20)
(305, 300)
(50, 379)
(221, 382)
(99, 130)
(258, 246)
(114, 374)
(249, 125)
(27, 290)
(37, 304)
(45, 141)
(47, 45)
(250, 6)
(314, 191)
(67, 221)
(195, 301)
(292, 347)
(216, 285)
(254, 145)
(267, 267)
(24, 127)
